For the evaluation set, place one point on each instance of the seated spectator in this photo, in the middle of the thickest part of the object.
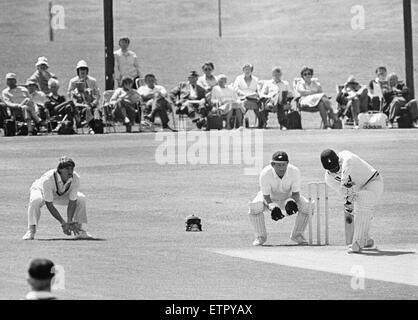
(274, 94)
(127, 103)
(85, 94)
(190, 97)
(354, 99)
(38, 98)
(246, 86)
(228, 102)
(376, 87)
(41, 274)
(207, 81)
(3, 113)
(312, 96)
(58, 108)
(18, 100)
(156, 100)
(126, 63)
(396, 97)
(42, 75)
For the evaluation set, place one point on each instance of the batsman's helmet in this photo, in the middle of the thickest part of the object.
(65, 162)
(329, 159)
(192, 222)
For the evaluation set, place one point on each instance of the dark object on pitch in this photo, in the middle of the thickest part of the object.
(349, 219)
(291, 207)
(214, 122)
(193, 223)
(97, 126)
(404, 120)
(9, 128)
(276, 214)
(294, 120)
(66, 128)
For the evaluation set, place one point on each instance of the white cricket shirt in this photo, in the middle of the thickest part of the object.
(280, 189)
(50, 182)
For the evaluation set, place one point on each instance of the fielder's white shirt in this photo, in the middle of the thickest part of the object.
(352, 169)
(49, 185)
(280, 189)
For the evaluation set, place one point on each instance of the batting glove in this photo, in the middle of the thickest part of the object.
(291, 207)
(348, 207)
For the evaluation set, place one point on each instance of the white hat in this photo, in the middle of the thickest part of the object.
(42, 60)
(11, 75)
(82, 64)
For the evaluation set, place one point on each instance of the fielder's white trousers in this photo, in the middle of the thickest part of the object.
(36, 201)
(364, 203)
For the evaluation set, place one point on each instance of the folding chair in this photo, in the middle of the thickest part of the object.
(108, 119)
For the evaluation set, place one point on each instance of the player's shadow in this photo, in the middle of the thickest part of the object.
(71, 239)
(387, 253)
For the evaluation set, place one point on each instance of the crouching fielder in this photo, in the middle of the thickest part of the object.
(59, 187)
(361, 188)
(279, 195)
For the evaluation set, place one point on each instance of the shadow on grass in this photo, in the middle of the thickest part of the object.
(71, 239)
(387, 253)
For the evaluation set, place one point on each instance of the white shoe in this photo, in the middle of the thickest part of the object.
(83, 235)
(354, 248)
(91, 131)
(299, 239)
(259, 241)
(369, 243)
(30, 234)
(283, 128)
(127, 120)
(356, 127)
(240, 128)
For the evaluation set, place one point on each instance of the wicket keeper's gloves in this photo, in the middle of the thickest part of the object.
(276, 213)
(291, 207)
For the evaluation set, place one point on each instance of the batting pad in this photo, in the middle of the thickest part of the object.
(257, 220)
(256, 207)
(361, 228)
(300, 224)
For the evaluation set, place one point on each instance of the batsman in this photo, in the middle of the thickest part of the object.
(361, 187)
(279, 196)
(59, 187)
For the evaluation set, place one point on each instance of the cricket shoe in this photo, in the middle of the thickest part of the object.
(354, 248)
(30, 234)
(259, 241)
(299, 239)
(369, 243)
(83, 235)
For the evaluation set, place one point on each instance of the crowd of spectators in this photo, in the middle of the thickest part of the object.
(38, 105)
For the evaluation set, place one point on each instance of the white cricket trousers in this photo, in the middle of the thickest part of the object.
(364, 203)
(36, 201)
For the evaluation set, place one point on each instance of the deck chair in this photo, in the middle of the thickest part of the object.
(108, 119)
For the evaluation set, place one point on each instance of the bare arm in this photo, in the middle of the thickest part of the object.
(71, 210)
(54, 212)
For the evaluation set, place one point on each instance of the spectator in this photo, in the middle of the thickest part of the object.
(207, 81)
(42, 75)
(228, 102)
(127, 103)
(190, 97)
(85, 94)
(376, 88)
(312, 96)
(58, 108)
(246, 86)
(157, 102)
(39, 99)
(395, 97)
(126, 63)
(41, 273)
(18, 99)
(274, 94)
(354, 99)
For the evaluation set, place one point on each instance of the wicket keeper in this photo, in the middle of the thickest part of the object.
(59, 186)
(279, 195)
(361, 187)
